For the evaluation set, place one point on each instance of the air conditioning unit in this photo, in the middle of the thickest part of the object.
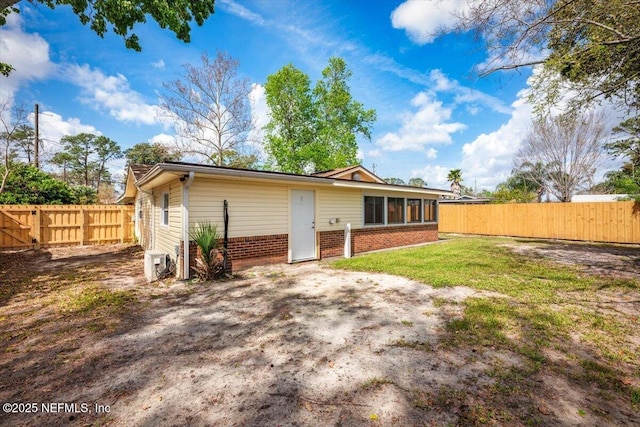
(154, 262)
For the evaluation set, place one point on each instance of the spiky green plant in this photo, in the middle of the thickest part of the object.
(205, 235)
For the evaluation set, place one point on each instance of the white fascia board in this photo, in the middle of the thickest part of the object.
(231, 173)
(391, 188)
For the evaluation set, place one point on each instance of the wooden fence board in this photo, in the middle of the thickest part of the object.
(616, 222)
(34, 226)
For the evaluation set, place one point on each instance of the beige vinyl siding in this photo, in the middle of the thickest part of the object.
(144, 224)
(255, 209)
(345, 204)
(168, 236)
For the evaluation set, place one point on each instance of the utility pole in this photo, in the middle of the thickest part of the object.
(37, 141)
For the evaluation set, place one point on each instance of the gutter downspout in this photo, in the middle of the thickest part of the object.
(186, 183)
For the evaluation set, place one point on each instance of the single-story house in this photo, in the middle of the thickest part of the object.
(274, 216)
(466, 199)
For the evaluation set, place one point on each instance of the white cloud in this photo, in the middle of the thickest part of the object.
(432, 153)
(390, 65)
(430, 124)
(158, 64)
(375, 153)
(242, 12)
(465, 95)
(27, 53)
(113, 94)
(259, 113)
(488, 160)
(423, 19)
(164, 139)
(435, 175)
(52, 127)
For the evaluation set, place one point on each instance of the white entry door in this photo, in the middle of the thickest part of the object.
(303, 232)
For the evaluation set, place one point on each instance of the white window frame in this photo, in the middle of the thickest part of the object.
(164, 209)
(384, 212)
(423, 204)
(436, 213)
(420, 210)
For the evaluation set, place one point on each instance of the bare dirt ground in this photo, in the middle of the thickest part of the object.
(621, 261)
(284, 345)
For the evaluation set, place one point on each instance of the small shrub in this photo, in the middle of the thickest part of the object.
(210, 262)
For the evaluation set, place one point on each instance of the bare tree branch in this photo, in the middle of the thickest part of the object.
(210, 104)
(12, 117)
(566, 151)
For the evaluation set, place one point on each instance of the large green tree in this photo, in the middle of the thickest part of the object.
(339, 118)
(289, 134)
(85, 159)
(145, 153)
(529, 177)
(27, 185)
(628, 147)
(313, 130)
(417, 182)
(106, 150)
(395, 181)
(587, 46)
(121, 16)
(627, 179)
(24, 139)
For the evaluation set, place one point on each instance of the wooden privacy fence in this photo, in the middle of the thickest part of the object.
(35, 226)
(617, 222)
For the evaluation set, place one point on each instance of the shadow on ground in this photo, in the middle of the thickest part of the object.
(283, 345)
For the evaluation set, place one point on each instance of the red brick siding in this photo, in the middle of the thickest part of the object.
(245, 252)
(374, 238)
(331, 243)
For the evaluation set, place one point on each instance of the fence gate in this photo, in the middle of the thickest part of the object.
(36, 226)
(15, 228)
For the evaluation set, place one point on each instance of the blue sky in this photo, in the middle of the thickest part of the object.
(433, 114)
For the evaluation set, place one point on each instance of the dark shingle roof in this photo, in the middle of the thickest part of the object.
(140, 170)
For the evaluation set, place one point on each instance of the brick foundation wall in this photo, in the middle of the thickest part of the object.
(244, 252)
(374, 238)
(331, 243)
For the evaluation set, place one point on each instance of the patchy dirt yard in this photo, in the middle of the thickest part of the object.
(604, 260)
(281, 345)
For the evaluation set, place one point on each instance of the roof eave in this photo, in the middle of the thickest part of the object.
(391, 187)
(237, 173)
(144, 183)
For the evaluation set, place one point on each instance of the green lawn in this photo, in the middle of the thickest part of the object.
(542, 307)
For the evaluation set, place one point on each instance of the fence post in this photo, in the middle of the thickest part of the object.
(123, 224)
(82, 221)
(36, 227)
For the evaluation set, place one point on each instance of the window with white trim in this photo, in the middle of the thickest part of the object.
(430, 210)
(395, 210)
(379, 210)
(414, 210)
(165, 209)
(373, 210)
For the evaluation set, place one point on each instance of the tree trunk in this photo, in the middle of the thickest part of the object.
(5, 175)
